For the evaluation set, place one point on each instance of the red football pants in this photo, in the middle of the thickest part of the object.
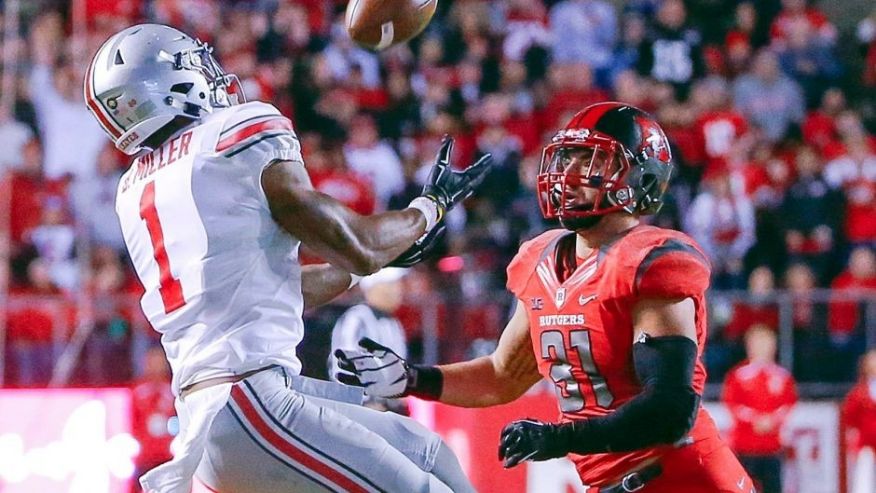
(706, 466)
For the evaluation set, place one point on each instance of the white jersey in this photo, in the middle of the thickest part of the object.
(222, 279)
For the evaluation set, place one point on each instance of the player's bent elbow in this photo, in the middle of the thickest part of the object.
(363, 264)
(677, 414)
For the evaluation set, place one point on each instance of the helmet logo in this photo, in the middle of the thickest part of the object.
(572, 133)
(653, 141)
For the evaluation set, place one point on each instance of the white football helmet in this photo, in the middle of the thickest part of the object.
(146, 75)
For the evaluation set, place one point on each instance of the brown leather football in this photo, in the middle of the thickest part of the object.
(379, 24)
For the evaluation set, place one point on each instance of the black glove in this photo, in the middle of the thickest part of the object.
(447, 187)
(529, 439)
(421, 249)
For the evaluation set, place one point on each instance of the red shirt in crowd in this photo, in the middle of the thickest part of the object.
(860, 210)
(859, 412)
(719, 130)
(844, 315)
(28, 193)
(153, 410)
(755, 392)
(35, 321)
(819, 130)
(346, 187)
(818, 22)
(747, 315)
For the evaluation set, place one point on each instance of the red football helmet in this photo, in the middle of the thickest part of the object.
(609, 157)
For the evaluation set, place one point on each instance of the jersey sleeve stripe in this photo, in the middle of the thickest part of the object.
(249, 121)
(277, 123)
(670, 246)
(262, 137)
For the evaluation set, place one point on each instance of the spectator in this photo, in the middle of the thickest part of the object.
(571, 88)
(343, 56)
(526, 27)
(55, 241)
(330, 175)
(855, 173)
(72, 137)
(94, 200)
(866, 34)
(374, 159)
(32, 325)
(808, 320)
(29, 189)
(154, 422)
(719, 124)
(108, 352)
(811, 236)
(812, 64)
(760, 395)
(769, 99)
(757, 308)
(796, 13)
(819, 128)
(741, 38)
(626, 52)
(14, 135)
(845, 320)
(584, 31)
(859, 407)
(374, 319)
(672, 52)
(722, 222)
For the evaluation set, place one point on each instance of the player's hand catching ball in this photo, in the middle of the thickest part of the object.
(529, 439)
(379, 369)
(447, 187)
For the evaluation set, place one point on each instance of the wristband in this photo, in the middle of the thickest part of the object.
(425, 382)
(429, 208)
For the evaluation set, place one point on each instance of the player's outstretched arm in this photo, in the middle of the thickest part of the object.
(487, 381)
(664, 357)
(498, 378)
(363, 244)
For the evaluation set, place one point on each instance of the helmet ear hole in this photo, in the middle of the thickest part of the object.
(182, 87)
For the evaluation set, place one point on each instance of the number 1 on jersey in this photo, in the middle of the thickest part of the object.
(169, 288)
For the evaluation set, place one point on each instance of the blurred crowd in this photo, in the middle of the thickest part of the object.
(770, 108)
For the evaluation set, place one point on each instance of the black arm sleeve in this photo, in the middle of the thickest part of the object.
(661, 414)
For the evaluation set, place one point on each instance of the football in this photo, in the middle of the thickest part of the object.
(379, 24)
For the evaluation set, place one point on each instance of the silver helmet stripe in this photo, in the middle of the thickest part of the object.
(103, 115)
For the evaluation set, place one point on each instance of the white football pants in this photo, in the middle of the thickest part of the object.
(270, 438)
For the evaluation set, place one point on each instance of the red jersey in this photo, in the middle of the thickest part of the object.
(581, 324)
(859, 412)
(753, 391)
(153, 409)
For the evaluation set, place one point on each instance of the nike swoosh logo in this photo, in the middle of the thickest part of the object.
(741, 483)
(583, 300)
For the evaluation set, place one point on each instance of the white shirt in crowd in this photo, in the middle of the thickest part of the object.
(72, 138)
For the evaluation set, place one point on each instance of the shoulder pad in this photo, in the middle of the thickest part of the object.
(522, 266)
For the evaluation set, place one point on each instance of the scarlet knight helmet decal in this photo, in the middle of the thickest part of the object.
(609, 157)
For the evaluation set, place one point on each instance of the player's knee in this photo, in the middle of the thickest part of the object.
(421, 445)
